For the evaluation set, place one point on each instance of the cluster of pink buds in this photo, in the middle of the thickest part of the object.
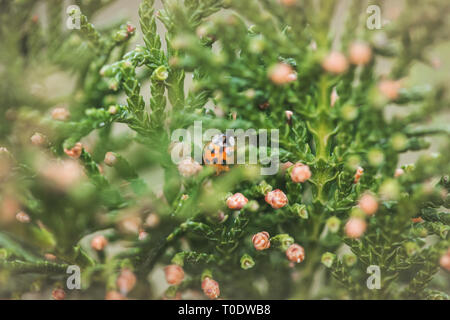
(276, 198)
(355, 227)
(445, 261)
(98, 243)
(74, 152)
(210, 288)
(295, 253)
(174, 274)
(300, 173)
(126, 281)
(282, 73)
(358, 174)
(261, 241)
(237, 201)
(368, 204)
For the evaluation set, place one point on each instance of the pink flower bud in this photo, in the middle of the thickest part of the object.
(126, 281)
(114, 295)
(282, 73)
(189, 167)
(335, 62)
(152, 220)
(355, 227)
(174, 274)
(237, 201)
(300, 173)
(288, 114)
(360, 53)
(22, 217)
(261, 241)
(142, 235)
(445, 261)
(211, 288)
(58, 294)
(334, 97)
(99, 243)
(390, 88)
(286, 166)
(75, 152)
(60, 114)
(110, 159)
(368, 204)
(276, 198)
(288, 3)
(398, 172)
(358, 174)
(50, 257)
(37, 139)
(295, 253)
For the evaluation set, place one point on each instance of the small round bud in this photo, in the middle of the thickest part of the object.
(189, 167)
(112, 110)
(335, 63)
(349, 259)
(60, 114)
(247, 262)
(261, 241)
(444, 261)
(22, 217)
(174, 274)
(368, 204)
(328, 259)
(110, 159)
(360, 53)
(390, 88)
(333, 224)
(355, 227)
(398, 172)
(276, 198)
(288, 114)
(237, 201)
(99, 243)
(286, 166)
(210, 288)
(282, 73)
(58, 294)
(411, 248)
(74, 152)
(300, 173)
(295, 253)
(126, 281)
(161, 73)
(37, 139)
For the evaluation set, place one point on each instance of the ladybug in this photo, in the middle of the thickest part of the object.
(218, 150)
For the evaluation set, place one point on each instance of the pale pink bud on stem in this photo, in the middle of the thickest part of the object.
(399, 172)
(99, 243)
(261, 241)
(60, 114)
(237, 201)
(37, 139)
(126, 281)
(22, 217)
(282, 73)
(334, 97)
(444, 261)
(110, 159)
(295, 253)
(355, 227)
(368, 204)
(189, 167)
(211, 288)
(276, 198)
(75, 152)
(360, 53)
(174, 274)
(390, 88)
(335, 63)
(58, 294)
(300, 173)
